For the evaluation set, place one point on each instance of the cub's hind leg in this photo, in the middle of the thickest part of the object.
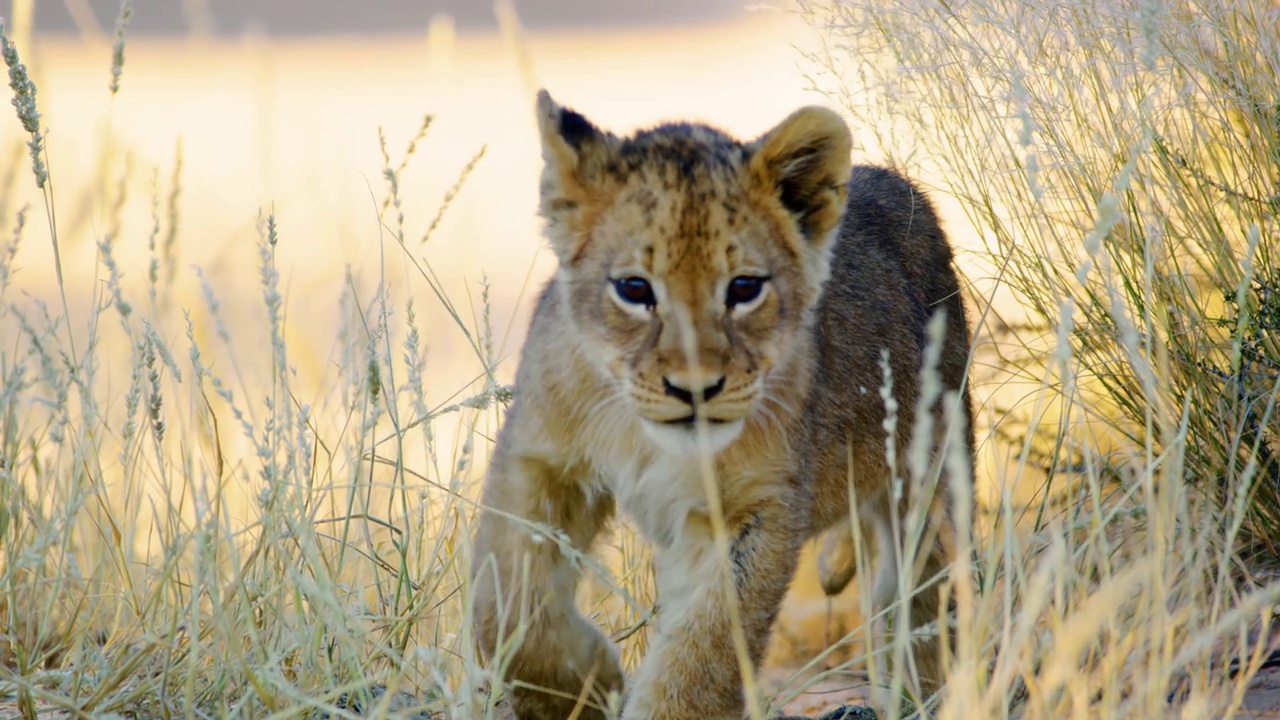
(923, 672)
(524, 587)
(837, 558)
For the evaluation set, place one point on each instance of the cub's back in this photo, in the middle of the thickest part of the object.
(891, 270)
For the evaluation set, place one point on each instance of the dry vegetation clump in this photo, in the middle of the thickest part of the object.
(188, 530)
(1121, 164)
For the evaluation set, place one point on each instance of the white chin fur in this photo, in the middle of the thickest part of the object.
(691, 440)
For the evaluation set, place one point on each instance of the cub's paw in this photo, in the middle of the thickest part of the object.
(844, 712)
(572, 677)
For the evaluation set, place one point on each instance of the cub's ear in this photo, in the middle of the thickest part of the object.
(805, 160)
(574, 151)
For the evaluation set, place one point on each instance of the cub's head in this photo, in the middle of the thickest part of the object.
(689, 260)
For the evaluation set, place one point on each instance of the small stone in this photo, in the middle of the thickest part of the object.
(850, 712)
(401, 705)
(844, 712)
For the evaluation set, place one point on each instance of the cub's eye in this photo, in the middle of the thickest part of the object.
(743, 289)
(635, 290)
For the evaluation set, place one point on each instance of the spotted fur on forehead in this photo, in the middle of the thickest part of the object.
(690, 183)
(690, 217)
(692, 205)
(688, 150)
(686, 179)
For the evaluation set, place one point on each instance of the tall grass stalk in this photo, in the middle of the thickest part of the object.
(201, 536)
(24, 102)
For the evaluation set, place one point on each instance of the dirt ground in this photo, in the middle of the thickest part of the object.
(808, 623)
(1261, 701)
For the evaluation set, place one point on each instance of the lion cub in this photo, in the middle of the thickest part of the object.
(720, 306)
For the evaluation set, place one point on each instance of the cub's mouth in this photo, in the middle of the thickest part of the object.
(682, 422)
(681, 436)
(690, 420)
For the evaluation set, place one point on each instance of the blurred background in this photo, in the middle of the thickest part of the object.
(301, 17)
(279, 106)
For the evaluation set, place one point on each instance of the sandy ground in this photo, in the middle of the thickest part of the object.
(1261, 701)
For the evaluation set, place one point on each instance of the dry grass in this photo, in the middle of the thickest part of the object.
(219, 499)
(1118, 162)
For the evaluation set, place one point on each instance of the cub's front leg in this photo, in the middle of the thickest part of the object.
(524, 587)
(692, 672)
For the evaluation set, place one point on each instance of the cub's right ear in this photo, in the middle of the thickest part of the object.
(574, 152)
(805, 160)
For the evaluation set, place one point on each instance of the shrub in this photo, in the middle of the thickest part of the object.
(1121, 163)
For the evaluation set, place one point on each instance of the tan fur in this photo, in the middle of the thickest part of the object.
(782, 389)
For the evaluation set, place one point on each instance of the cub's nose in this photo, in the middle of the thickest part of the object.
(685, 393)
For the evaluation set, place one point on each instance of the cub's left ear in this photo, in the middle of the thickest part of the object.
(805, 160)
(574, 151)
(575, 157)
